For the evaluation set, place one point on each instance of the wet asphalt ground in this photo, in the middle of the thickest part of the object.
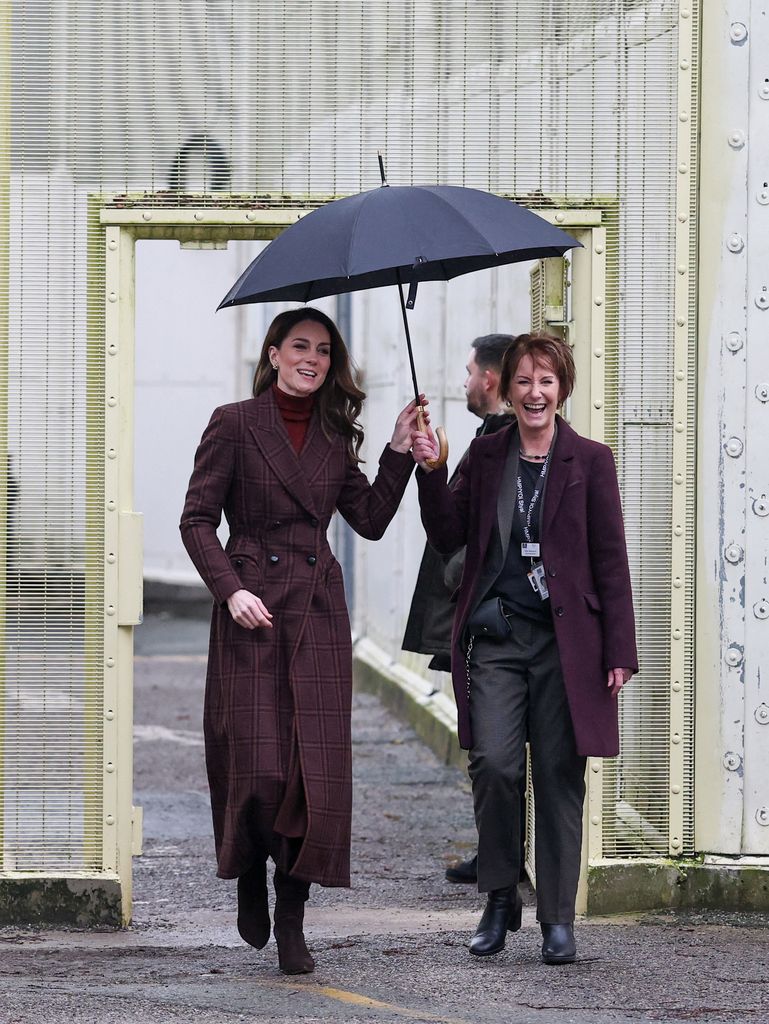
(393, 948)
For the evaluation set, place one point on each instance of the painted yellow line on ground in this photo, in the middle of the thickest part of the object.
(342, 996)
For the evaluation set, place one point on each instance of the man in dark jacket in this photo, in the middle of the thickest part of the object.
(428, 629)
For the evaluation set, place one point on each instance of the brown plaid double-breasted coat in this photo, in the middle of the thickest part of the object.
(271, 691)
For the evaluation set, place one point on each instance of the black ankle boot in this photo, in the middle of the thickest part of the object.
(558, 945)
(253, 912)
(502, 915)
(290, 897)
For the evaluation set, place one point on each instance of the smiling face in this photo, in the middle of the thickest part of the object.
(534, 395)
(303, 358)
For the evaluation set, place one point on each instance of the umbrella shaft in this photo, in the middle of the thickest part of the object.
(408, 340)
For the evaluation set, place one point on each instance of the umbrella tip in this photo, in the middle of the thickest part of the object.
(381, 167)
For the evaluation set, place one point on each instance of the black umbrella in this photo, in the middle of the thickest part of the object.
(396, 235)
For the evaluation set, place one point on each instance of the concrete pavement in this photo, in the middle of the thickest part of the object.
(392, 948)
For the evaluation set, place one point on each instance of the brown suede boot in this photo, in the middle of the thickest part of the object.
(253, 911)
(290, 897)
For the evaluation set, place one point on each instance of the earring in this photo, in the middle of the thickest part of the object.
(274, 366)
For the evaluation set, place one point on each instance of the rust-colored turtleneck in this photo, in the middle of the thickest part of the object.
(295, 412)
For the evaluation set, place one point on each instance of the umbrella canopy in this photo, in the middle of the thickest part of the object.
(394, 235)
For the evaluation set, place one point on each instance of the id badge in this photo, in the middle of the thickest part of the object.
(530, 550)
(538, 581)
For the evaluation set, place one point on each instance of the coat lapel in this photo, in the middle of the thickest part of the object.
(558, 474)
(271, 437)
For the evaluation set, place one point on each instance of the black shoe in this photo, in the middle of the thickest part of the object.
(502, 915)
(558, 945)
(253, 912)
(464, 871)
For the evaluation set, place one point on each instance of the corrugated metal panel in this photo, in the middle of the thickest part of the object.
(556, 104)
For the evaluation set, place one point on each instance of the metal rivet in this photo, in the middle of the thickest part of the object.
(761, 506)
(110, 663)
(761, 609)
(681, 321)
(111, 453)
(733, 341)
(598, 300)
(676, 687)
(112, 401)
(112, 245)
(762, 714)
(675, 844)
(111, 506)
(109, 767)
(680, 375)
(595, 766)
(679, 428)
(681, 268)
(762, 299)
(762, 392)
(599, 249)
(110, 609)
(678, 478)
(675, 790)
(146, 215)
(682, 218)
(763, 91)
(111, 558)
(250, 216)
(684, 14)
(110, 819)
(598, 352)
(762, 196)
(735, 243)
(560, 218)
(677, 634)
(683, 117)
(677, 583)
(198, 216)
(595, 820)
(738, 33)
(734, 447)
(733, 656)
(683, 168)
(734, 554)
(684, 64)
(112, 296)
(732, 761)
(598, 404)
(762, 816)
(112, 349)
(678, 531)
(737, 138)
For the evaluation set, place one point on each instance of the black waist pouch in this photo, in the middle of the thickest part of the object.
(489, 620)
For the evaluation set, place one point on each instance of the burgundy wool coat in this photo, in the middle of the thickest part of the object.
(271, 691)
(582, 540)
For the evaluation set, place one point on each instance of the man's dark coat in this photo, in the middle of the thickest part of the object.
(583, 549)
(273, 691)
(431, 616)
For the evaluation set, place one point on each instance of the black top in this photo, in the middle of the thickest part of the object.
(512, 584)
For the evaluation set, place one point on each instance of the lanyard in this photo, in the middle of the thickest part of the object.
(525, 517)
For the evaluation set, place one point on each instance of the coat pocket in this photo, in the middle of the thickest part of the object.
(591, 600)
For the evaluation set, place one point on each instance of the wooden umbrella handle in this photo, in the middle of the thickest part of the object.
(443, 444)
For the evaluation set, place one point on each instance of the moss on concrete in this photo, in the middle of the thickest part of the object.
(56, 902)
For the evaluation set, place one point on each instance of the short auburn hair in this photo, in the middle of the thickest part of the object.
(542, 348)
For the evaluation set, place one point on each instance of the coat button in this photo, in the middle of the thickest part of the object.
(311, 559)
(274, 559)
(314, 522)
(559, 611)
(551, 572)
(238, 563)
(275, 524)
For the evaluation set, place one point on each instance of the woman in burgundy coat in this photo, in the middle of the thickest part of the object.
(544, 632)
(279, 682)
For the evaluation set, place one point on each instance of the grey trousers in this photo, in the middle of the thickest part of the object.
(517, 693)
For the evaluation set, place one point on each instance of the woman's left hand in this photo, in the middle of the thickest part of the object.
(617, 679)
(406, 424)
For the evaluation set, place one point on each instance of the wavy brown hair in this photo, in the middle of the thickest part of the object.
(540, 346)
(339, 399)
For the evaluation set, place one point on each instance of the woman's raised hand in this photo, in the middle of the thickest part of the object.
(406, 424)
(247, 610)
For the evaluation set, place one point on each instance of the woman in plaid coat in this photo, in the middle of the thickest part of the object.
(279, 682)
